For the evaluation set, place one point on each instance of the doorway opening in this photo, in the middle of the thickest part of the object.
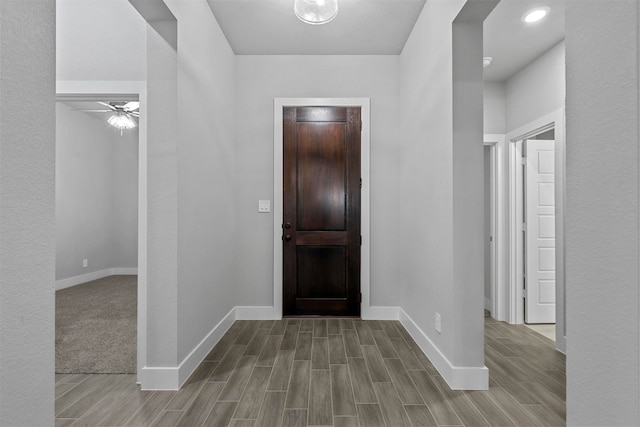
(96, 235)
(116, 91)
(535, 191)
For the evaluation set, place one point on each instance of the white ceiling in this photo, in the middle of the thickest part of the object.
(381, 27)
(514, 44)
(362, 27)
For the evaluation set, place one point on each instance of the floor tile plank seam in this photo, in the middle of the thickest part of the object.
(69, 404)
(333, 415)
(395, 387)
(447, 398)
(478, 411)
(495, 402)
(353, 393)
(66, 391)
(86, 394)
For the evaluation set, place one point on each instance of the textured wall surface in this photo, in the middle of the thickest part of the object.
(602, 213)
(27, 212)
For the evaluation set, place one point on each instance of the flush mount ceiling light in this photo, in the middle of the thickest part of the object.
(486, 61)
(316, 12)
(535, 15)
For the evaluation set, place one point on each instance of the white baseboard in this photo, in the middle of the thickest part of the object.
(458, 378)
(487, 304)
(197, 355)
(125, 271)
(172, 378)
(268, 313)
(255, 313)
(380, 313)
(95, 275)
(159, 378)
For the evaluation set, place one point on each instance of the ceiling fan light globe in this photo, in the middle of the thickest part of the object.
(121, 121)
(316, 12)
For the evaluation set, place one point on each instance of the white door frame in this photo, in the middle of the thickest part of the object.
(92, 90)
(554, 120)
(364, 103)
(499, 304)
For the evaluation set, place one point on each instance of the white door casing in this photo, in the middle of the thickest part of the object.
(540, 274)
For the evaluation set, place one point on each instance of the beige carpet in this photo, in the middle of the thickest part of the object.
(96, 327)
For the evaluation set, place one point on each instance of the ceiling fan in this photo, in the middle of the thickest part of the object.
(122, 114)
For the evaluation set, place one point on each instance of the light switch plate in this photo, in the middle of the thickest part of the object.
(264, 206)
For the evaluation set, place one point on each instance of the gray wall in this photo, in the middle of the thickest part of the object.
(27, 212)
(533, 92)
(207, 220)
(495, 114)
(259, 80)
(125, 200)
(429, 173)
(100, 40)
(602, 221)
(537, 90)
(96, 194)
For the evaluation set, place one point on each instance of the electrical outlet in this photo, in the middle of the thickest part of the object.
(85, 263)
(438, 323)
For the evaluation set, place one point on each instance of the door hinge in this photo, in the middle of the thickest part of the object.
(524, 294)
(524, 226)
(524, 160)
(360, 125)
(360, 182)
(360, 296)
(361, 240)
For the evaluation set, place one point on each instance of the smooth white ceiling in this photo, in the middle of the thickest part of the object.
(381, 27)
(514, 44)
(362, 27)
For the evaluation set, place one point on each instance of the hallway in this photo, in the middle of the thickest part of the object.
(341, 372)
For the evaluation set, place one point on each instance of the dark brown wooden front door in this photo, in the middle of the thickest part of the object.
(321, 197)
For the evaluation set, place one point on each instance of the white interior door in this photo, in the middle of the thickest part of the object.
(540, 242)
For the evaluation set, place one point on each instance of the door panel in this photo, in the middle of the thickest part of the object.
(321, 205)
(540, 267)
(321, 272)
(321, 159)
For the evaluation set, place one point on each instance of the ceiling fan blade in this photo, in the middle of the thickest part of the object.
(135, 114)
(131, 106)
(92, 111)
(107, 105)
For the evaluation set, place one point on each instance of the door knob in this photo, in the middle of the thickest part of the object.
(287, 226)
(287, 237)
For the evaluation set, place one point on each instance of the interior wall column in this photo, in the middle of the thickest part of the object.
(27, 212)
(468, 189)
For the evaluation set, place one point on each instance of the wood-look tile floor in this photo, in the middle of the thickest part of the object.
(339, 372)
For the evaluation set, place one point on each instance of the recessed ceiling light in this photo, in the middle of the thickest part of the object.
(486, 61)
(535, 15)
